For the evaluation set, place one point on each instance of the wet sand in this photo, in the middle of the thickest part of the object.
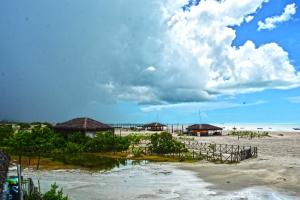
(144, 181)
(277, 165)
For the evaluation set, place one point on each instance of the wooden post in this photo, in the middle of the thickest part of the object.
(231, 153)
(20, 192)
(238, 155)
(221, 152)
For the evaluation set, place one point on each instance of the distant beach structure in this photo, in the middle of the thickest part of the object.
(204, 130)
(84, 125)
(154, 126)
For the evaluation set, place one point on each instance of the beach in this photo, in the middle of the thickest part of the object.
(275, 174)
(277, 165)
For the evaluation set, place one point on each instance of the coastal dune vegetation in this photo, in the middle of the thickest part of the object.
(249, 134)
(41, 141)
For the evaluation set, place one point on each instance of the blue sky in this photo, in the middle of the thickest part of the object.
(141, 61)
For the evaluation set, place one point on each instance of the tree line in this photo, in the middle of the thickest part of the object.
(43, 140)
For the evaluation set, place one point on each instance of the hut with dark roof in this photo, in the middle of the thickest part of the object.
(155, 126)
(84, 125)
(204, 130)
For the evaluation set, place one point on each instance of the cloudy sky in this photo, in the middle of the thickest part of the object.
(173, 61)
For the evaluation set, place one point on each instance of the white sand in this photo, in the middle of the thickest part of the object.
(277, 165)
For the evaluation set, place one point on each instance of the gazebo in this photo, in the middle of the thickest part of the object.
(204, 130)
(154, 126)
(84, 125)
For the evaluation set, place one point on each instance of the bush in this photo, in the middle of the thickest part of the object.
(165, 143)
(54, 194)
(78, 138)
(107, 142)
(136, 138)
(6, 131)
(73, 148)
(137, 151)
(212, 147)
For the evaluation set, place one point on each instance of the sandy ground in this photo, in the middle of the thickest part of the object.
(277, 165)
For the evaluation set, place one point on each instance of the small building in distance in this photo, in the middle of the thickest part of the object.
(84, 125)
(154, 126)
(203, 130)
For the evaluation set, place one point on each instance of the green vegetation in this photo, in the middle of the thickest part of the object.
(105, 142)
(42, 141)
(6, 131)
(249, 134)
(164, 143)
(212, 147)
(137, 151)
(53, 194)
(137, 138)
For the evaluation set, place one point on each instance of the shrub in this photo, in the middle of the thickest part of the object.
(107, 142)
(136, 138)
(137, 151)
(77, 138)
(73, 148)
(165, 143)
(212, 147)
(6, 131)
(54, 194)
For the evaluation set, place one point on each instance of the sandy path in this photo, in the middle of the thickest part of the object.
(277, 165)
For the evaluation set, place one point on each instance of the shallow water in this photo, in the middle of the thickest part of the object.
(143, 181)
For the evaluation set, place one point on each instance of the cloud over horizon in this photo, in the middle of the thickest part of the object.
(94, 54)
(195, 60)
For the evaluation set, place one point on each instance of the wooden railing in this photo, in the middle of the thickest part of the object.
(224, 153)
(221, 152)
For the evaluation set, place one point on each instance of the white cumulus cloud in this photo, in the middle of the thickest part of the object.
(271, 22)
(193, 55)
(249, 18)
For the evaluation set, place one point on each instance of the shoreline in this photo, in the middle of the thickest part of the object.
(148, 181)
(277, 165)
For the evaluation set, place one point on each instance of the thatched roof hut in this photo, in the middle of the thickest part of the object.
(154, 126)
(204, 129)
(84, 125)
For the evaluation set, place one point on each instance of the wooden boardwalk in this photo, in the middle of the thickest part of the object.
(4, 164)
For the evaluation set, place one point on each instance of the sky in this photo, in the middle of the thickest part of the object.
(173, 61)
